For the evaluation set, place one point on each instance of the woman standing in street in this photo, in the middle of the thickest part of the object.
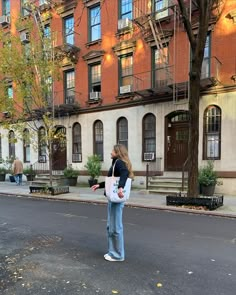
(123, 169)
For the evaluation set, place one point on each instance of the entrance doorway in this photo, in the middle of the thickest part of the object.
(59, 159)
(176, 140)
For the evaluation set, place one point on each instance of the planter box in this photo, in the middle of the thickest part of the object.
(211, 203)
(52, 190)
(72, 181)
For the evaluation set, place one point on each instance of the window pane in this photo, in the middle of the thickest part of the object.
(76, 139)
(96, 73)
(126, 65)
(10, 92)
(6, 7)
(98, 137)
(70, 87)
(212, 130)
(122, 132)
(69, 30)
(213, 146)
(95, 23)
(149, 133)
(126, 9)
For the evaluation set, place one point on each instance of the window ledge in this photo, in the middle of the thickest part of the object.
(125, 96)
(94, 101)
(98, 41)
(123, 32)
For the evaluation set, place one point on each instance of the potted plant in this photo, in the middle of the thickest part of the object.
(29, 173)
(207, 179)
(93, 166)
(71, 174)
(3, 172)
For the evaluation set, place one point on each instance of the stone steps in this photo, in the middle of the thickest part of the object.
(167, 184)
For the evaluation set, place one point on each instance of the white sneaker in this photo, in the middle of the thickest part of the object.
(109, 258)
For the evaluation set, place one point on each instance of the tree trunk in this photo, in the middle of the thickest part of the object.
(193, 131)
(50, 162)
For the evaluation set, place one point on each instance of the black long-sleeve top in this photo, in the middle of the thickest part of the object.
(119, 171)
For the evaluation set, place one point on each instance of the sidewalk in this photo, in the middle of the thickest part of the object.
(138, 198)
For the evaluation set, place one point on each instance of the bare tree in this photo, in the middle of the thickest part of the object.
(205, 12)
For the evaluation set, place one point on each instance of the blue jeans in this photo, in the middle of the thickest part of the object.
(18, 178)
(115, 230)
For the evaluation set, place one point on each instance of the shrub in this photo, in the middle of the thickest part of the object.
(94, 166)
(206, 175)
(70, 172)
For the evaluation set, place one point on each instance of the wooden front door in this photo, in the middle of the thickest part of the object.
(59, 160)
(176, 146)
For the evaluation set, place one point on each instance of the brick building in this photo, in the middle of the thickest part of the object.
(125, 79)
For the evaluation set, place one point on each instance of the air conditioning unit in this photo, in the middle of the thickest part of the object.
(24, 37)
(76, 157)
(4, 20)
(149, 156)
(125, 89)
(124, 23)
(95, 95)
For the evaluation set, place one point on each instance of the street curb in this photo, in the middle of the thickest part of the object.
(128, 204)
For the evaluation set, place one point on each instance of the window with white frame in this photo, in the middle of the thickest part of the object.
(149, 134)
(77, 143)
(98, 138)
(122, 131)
(212, 133)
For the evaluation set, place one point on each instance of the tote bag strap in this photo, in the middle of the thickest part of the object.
(113, 168)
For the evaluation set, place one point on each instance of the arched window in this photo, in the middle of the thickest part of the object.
(98, 138)
(149, 137)
(122, 131)
(42, 146)
(26, 145)
(11, 141)
(212, 133)
(76, 143)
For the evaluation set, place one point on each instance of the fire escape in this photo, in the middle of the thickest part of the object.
(157, 26)
(66, 53)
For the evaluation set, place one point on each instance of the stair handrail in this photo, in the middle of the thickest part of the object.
(40, 167)
(183, 170)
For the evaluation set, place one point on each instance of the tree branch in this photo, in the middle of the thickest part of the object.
(187, 24)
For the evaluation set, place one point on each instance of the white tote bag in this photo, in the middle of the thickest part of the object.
(111, 188)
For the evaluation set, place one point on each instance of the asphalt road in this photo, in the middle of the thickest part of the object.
(54, 247)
